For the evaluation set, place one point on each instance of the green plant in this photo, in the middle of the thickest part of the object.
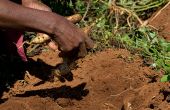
(151, 46)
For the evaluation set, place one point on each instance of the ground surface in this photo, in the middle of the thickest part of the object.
(108, 80)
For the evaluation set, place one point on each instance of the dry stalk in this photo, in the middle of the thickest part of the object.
(120, 10)
(117, 19)
(87, 9)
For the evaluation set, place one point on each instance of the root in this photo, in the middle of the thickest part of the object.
(120, 10)
(120, 93)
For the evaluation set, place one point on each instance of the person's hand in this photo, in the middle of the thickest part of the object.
(68, 36)
(36, 4)
(72, 36)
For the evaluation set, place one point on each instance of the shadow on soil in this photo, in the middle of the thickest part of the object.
(77, 92)
(13, 69)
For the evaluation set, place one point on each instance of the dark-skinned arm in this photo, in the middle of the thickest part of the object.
(15, 16)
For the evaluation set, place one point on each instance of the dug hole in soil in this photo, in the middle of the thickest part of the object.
(107, 80)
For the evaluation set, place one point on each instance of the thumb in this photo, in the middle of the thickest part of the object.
(89, 43)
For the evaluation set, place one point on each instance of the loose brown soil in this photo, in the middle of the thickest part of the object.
(107, 80)
(161, 21)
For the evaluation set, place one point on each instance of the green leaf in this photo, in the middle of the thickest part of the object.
(152, 35)
(168, 47)
(142, 29)
(159, 63)
(166, 68)
(165, 78)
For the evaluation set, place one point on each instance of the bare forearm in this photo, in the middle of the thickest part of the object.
(15, 16)
(67, 35)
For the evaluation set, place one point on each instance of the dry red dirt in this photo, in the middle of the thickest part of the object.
(108, 80)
